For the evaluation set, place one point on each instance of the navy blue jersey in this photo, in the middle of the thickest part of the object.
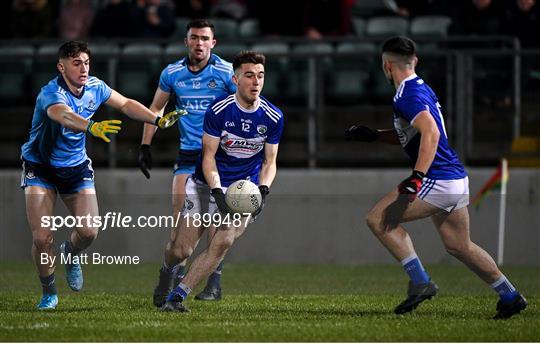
(194, 91)
(242, 134)
(412, 97)
(49, 142)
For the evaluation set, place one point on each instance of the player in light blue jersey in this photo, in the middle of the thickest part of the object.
(55, 161)
(240, 141)
(196, 81)
(438, 186)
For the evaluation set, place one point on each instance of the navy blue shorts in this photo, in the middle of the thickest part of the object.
(186, 161)
(66, 180)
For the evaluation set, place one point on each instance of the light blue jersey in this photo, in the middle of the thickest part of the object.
(49, 142)
(412, 97)
(195, 91)
(242, 134)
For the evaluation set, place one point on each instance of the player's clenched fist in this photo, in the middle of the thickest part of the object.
(101, 129)
(361, 133)
(411, 185)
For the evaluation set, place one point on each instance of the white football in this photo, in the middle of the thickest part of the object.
(243, 196)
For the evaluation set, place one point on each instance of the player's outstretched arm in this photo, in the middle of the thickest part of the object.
(389, 136)
(68, 119)
(366, 134)
(145, 156)
(64, 115)
(135, 110)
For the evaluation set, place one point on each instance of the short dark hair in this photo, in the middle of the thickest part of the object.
(200, 24)
(401, 46)
(247, 56)
(73, 49)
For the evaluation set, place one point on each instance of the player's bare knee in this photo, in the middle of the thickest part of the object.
(223, 244)
(182, 250)
(373, 220)
(43, 240)
(88, 235)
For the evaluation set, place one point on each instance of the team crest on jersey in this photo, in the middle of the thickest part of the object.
(30, 175)
(212, 84)
(261, 129)
(91, 104)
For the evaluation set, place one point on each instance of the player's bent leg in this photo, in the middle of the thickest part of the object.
(79, 204)
(39, 205)
(212, 290)
(210, 258)
(385, 217)
(384, 220)
(454, 230)
(203, 265)
(182, 248)
(178, 200)
(179, 192)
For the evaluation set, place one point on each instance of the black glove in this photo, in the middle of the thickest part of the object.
(361, 133)
(264, 190)
(411, 185)
(219, 196)
(145, 160)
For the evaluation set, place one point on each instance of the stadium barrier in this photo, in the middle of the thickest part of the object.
(311, 217)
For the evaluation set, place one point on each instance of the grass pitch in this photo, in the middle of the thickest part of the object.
(266, 303)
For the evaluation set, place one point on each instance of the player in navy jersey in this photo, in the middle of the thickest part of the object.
(55, 160)
(196, 81)
(438, 186)
(240, 141)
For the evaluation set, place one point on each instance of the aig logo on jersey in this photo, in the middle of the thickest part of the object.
(261, 129)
